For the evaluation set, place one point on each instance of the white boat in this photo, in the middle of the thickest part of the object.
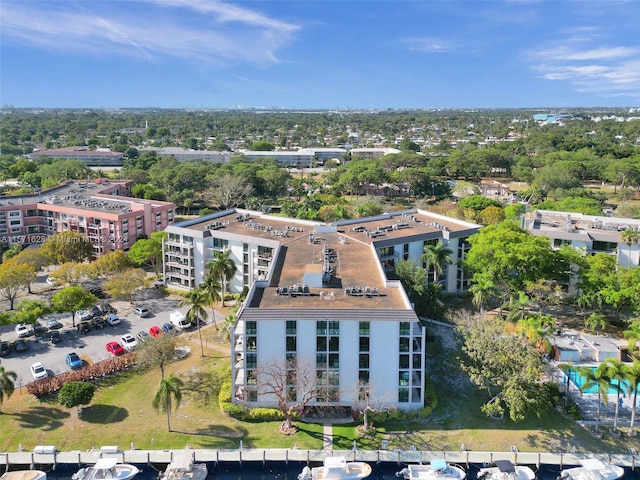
(592, 469)
(506, 470)
(336, 468)
(437, 469)
(107, 469)
(24, 475)
(182, 467)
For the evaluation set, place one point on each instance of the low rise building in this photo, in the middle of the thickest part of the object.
(100, 157)
(593, 234)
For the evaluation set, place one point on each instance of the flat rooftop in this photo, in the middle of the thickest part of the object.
(82, 196)
(576, 226)
(347, 249)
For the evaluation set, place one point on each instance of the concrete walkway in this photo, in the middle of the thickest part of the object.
(327, 436)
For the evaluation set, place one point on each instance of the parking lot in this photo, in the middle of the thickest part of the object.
(90, 346)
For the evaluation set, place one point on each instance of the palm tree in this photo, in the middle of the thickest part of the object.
(170, 387)
(567, 368)
(596, 378)
(616, 372)
(632, 334)
(197, 299)
(222, 267)
(436, 255)
(7, 387)
(228, 325)
(632, 375)
(537, 329)
(630, 237)
(483, 290)
(212, 287)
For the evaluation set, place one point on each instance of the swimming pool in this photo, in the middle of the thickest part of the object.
(578, 381)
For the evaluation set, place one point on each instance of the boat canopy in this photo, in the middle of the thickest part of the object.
(105, 463)
(438, 464)
(592, 464)
(505, 466)
(181, 462)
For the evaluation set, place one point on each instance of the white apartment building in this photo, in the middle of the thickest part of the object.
(593, 234)
(318, 295)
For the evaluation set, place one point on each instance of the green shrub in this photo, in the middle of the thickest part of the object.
(239, 412)
(265, 414)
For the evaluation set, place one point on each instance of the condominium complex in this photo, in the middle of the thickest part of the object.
(319, 298)
(593, 234)
(99, 157)
(101, 210)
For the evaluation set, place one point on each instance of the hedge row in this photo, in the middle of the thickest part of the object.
(47, 386)
(240, 412)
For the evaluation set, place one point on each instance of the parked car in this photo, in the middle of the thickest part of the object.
(84, 315)
(98, 292)
(39, 329)
(143, 336)
(141, 312)
(99, 322)
(38, 371)
(112, 319)
(155, 331)
(55, 336)
(95, 310)
(159, 283)
(114, 348)
(73, 361)
(129, 342)
(54, 324)
(169, 328)
(5, 348)
(20, 345)
(107, 308)
(52, 282)
(23, 330)
(84, 327)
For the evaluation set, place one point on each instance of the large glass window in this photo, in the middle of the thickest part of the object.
(364, 344)
(252, 327)
(363, 360)
(365, 328)
(291, 327)
(291, 344)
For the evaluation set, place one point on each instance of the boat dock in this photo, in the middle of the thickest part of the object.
(48, 455)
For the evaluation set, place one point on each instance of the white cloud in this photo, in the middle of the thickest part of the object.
(428, 44)
(582, 58)
(204, 31)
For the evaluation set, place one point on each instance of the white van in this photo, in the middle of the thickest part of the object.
(179, 320)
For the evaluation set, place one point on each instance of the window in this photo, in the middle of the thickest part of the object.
(404, 344)
(405, 328)
(252, 360)
(386, 252)
(14, 213)
(252, 327)
(405, 251)
(334, 360)
(363, 376)
(220, 243)
(321, 327)
(15, 222)
(364, 344)
(365, 328)
(404, 361)
(403, 378)
(334, 328)
(321, 344)
(403, 395)
(252, 344)
(334, 344)
(291, 344)
(291, 327)
(363, 360)
(321, 360)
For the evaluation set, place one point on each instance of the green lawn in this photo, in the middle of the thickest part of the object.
(121, 414)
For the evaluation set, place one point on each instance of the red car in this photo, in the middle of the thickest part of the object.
(115, 348)
(155, 331)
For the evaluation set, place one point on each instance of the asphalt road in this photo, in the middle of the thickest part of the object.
(89, 346)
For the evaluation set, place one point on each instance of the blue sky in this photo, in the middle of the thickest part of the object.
(319, 54)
